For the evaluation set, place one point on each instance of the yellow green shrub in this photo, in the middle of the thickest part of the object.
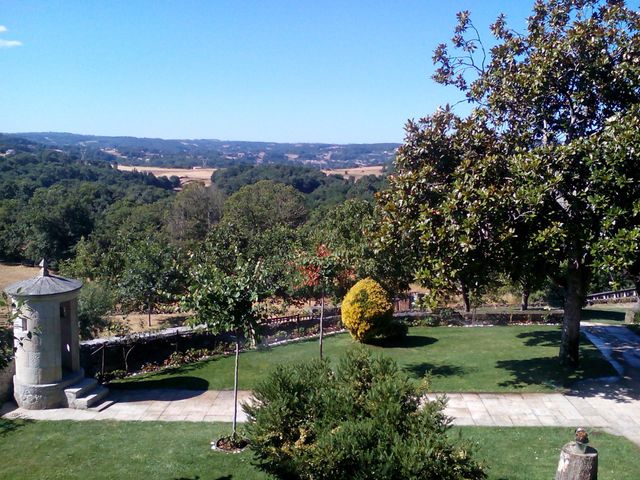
(366, 310)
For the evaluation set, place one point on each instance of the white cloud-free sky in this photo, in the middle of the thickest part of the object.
(284, 70)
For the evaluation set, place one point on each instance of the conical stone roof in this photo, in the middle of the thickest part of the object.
(42, 285)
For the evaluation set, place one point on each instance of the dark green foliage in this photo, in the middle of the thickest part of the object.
(50, 199)
(6, 346)
(362, 421)
(150, 275)
(320, 190)
(303, 179)
(259, 206)
(194, 211)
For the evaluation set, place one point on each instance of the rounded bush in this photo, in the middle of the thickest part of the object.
(366, 310)
(364, 420)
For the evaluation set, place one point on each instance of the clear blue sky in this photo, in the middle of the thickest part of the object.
(286, 71)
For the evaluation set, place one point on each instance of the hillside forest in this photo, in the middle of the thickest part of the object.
(132, 237)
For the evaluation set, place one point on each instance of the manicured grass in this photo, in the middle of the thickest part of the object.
(483, 359)
(118, 450)
(171, 450)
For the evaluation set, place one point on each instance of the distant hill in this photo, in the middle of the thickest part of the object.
(217, 153)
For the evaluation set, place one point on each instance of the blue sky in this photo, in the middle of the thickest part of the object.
(285, 71)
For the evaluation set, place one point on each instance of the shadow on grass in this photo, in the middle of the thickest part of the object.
(549, 372)
(149, 383)
(541, 338)
(197, 477)
(410, 341)
(421, 369)
(616, 316)
(9, 426)
(534, 371)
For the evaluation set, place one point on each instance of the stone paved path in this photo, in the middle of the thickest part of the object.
(612, 404)
(148, 405)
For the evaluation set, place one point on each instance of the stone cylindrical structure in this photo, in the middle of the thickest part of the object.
(47, 342)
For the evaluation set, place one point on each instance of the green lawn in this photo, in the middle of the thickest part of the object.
(610, 314)
(170, 450)
(483, 359)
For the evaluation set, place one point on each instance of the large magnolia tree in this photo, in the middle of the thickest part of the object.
(560, 97)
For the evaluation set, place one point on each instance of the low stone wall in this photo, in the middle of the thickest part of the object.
(131, 352)
(514, 318)
(106, 355)
(6, 381)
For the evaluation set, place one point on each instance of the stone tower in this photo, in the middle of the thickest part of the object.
(47, 343)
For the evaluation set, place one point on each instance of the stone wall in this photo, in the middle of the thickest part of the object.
(106, 355)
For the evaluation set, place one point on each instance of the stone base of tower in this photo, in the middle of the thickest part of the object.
(42, 397)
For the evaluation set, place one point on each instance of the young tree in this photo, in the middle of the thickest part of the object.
(228, 301)
(350, 231)
(548, 91)
(321, 272)
(149, 276)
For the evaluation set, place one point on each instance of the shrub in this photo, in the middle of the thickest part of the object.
(366, 310)
(364, 421)
(177, 359)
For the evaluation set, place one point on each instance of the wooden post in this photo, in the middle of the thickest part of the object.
(577, 463)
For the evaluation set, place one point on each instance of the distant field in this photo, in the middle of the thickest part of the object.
(355, 172)
(185, 175)
(14, 273)
(10, 274)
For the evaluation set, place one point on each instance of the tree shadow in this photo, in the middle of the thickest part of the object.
(613, 388)
(614, 315)
(421, 369)
(541, 338)
(8, 426)
(410, 341)
(178, 382)
(534, 371)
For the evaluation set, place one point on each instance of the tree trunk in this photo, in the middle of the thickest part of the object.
(321, 321)
(524, 304)
(235, 387)
(576, 465)
(465, 297)
(149, 310)
(570, 342)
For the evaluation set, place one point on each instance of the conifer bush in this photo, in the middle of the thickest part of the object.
(365, 420)
(367, 311)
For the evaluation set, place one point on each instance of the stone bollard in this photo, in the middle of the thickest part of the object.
(630, 314)
(578, 461)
